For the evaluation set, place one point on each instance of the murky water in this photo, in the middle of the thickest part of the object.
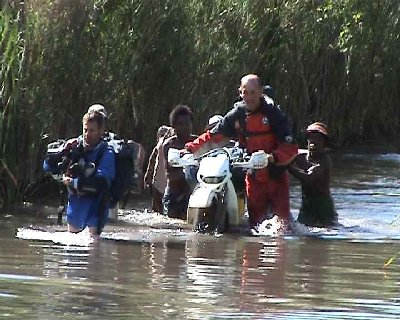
(166, 272)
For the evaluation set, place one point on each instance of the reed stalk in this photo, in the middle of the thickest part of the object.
(334, 61)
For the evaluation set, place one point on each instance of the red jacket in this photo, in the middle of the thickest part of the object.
(265, 129)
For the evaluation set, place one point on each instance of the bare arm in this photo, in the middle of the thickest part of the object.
(312, 175)
(150, 167)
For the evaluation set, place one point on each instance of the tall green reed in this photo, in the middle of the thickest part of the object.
(335, 61)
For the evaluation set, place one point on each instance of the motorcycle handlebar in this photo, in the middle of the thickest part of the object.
(238, 159)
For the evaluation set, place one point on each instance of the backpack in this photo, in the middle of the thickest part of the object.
(125, 155)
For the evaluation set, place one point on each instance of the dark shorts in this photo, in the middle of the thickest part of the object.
(175, 204)
(156, 203)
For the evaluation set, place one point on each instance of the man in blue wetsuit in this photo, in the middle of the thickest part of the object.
(89, 176)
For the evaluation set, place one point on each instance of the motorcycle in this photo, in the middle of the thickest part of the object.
(214, 205)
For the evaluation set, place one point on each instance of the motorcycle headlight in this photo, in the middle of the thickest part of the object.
(213, 180)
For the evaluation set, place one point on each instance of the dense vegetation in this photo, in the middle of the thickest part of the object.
(335, 61)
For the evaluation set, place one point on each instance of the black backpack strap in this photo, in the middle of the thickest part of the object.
(241, 114)
(277, 119)
(279, 122)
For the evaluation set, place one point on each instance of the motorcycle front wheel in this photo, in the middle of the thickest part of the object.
(211, 219)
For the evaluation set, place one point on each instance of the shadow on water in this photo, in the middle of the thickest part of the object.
(165, 271)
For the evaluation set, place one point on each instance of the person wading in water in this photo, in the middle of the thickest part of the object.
(155, 177)
(177, 192)
(89, 176)
(313, 169)
(259, 125)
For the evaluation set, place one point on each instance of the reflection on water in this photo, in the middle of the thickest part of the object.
(202, 276)
(174, 274)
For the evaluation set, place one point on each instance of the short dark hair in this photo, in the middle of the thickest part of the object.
(180, 110)
(95, 116)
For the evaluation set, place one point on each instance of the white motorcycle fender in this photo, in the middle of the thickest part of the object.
(232, 205)
(201, 197)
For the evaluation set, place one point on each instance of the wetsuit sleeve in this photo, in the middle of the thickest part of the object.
(50, 168)
(287, 148)
(225, 129)
(106, 167)
(284, 153)
(102, 179)
(56, 166)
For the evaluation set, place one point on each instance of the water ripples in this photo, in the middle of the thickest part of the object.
(159, 269)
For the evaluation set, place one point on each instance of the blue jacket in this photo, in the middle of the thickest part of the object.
(82, 209)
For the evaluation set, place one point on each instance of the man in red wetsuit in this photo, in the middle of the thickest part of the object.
(259, 125)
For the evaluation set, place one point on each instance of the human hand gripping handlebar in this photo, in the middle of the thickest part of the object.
(177, 158)
(257, 160)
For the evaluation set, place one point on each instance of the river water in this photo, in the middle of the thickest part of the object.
(165, 271)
